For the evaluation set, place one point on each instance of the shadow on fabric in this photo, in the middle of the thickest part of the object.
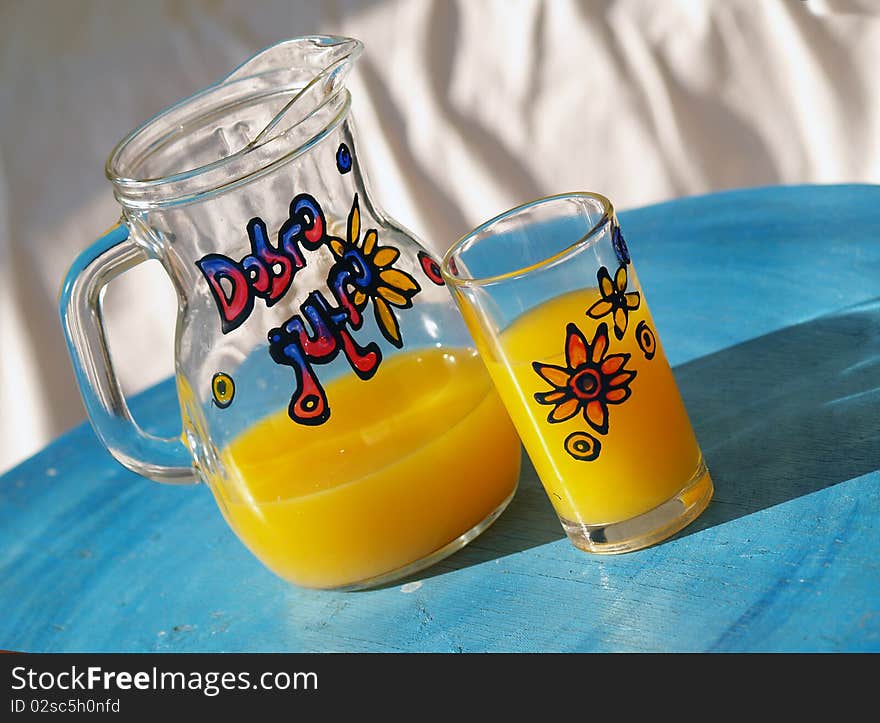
(778, 417)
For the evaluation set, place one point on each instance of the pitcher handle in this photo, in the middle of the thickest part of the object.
(80, 306)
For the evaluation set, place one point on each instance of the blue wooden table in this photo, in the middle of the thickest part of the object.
(768, 303)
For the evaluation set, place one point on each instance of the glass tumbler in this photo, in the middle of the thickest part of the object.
(552, 299)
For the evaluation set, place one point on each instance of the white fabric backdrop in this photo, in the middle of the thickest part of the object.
(464, 109)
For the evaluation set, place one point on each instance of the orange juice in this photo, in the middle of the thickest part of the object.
(406, 463)
(648, 452)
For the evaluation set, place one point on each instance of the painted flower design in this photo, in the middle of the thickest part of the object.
(385, 286)
(615, 300)
(591, 380)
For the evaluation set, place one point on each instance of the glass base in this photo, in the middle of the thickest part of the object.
(435, 556)
(648, 528)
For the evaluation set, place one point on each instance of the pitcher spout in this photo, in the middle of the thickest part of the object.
(309, 56)
(317, 64)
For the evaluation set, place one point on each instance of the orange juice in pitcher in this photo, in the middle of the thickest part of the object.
(418, 457)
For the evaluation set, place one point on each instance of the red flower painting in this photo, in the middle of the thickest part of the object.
(592, 379)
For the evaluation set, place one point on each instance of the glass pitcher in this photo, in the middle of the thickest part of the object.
(330, 394)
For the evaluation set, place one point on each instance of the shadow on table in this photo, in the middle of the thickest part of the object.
(789, 413)
(778, 417)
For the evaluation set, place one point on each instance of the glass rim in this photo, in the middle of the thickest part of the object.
(128, 190)
(582, 242)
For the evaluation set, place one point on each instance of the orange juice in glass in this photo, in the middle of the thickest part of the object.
(550, 295)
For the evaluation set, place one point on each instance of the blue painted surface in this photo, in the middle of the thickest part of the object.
(768, 304)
